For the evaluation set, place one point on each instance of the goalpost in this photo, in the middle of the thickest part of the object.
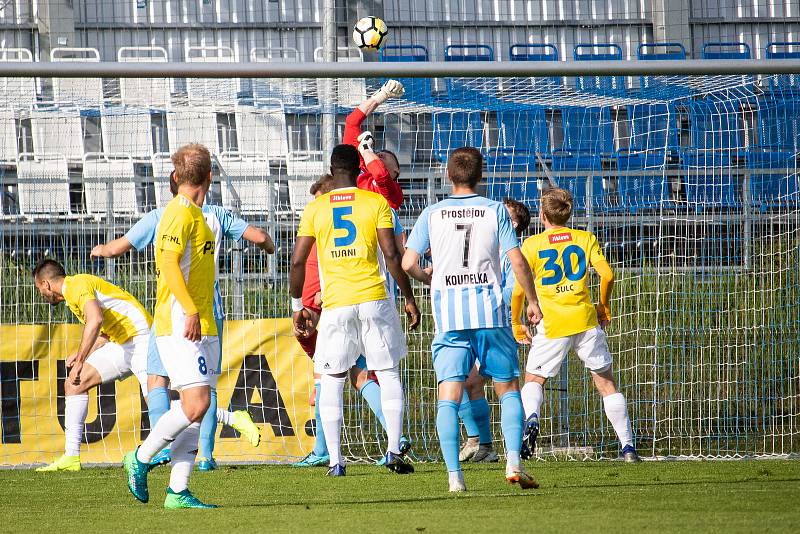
(686, 172)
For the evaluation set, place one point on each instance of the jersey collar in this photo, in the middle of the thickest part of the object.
(471, 195)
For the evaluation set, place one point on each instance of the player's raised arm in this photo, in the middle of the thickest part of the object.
(260, 238)
(352, 129)
(386, 240)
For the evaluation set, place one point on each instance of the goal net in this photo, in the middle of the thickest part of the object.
(689, 182)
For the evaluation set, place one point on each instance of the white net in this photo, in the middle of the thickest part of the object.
(690, 183)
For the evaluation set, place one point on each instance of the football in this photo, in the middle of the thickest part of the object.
(370, 33)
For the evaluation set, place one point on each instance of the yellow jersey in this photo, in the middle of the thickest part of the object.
(183, 229)
(344, 223)
(124, 317)
(560, 259)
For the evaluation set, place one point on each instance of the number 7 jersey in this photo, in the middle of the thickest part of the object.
(345, 225)
(559, 259)
(467, 235)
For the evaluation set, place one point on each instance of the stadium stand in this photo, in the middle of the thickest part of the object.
(101, 170)
(601, 85)
(289, 91)
(43, 186)
(417, 89)
(245, 180)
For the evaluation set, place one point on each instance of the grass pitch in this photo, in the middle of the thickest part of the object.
(735, 496)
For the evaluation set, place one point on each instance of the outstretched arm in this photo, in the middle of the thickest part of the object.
(112, 249)
(260, 238)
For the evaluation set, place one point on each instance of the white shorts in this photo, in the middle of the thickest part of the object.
(371, 328)
(189, 363)
(547, 354)
(115, 362)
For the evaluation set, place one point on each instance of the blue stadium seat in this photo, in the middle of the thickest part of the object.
(773, 178)
(454, 129)
(716, 126)
(638, 192)
(725, 50)
(711, 180)
(524, 189)
(602, 85)
(662, 86)
(417, 89)
(582, 164)
(779, 124)
(470, 91)
(653, 127)
(783, 83)
(588, 130)
(536, 52)
(522, 135)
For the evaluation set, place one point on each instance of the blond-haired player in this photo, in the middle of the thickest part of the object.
(186, 332)
(560, 258)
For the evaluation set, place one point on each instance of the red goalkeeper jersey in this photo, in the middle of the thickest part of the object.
(311, 286)
(374, 177)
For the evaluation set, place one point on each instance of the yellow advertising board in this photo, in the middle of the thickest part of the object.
(264, 370)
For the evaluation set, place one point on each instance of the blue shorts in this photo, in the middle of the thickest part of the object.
(455, 353)
(361, 362)
(154, 365)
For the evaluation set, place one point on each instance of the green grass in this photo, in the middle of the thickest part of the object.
(741, 496)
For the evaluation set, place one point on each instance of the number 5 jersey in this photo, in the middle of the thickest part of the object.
(559, 259)
(467, 237)
(345, 224)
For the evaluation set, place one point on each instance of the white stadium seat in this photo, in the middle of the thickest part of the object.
(287, 90)
(147, 92)
(100, 169)
(162, 168)
(43, 187)
(17, 93)
(349, 92)
(303, 168)
(127, 130)
(214, 92)
(57, 129)
(262, 129)
(248, 175)
(8, 136)
(81, 91)
(188, 126)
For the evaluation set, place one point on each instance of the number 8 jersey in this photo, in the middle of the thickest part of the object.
(559, 259)
(468, 236)
(345, 225)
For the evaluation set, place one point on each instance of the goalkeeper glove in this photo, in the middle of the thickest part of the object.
(391, 89)
(365, 142)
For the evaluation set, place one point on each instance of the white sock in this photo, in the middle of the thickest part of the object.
(75, 409)
(617, 413)
(512, 461)
(532, 398)
(392, 404)
(224, 417)
(165, 432)
(331, 414)
(183, 451)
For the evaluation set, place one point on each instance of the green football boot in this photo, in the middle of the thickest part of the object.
(62, 463)
(136, 472)
(184, 499)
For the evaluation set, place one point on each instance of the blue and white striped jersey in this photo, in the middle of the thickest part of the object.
(508, 281)
(220, 220)
(467, 236)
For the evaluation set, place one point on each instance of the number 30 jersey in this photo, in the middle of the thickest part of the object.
(345, 225)
(559, 259)
(467, 236)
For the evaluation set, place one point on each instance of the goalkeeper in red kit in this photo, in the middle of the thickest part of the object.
(379, 170)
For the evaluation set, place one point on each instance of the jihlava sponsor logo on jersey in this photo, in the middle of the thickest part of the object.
(560, 238)
(343, 197)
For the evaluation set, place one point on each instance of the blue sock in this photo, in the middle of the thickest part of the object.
(371, 392)
(447, 428)
(467, 417)
(208, 428)
(511, 415)
(480, 410)
(320, 448)
(157, 405)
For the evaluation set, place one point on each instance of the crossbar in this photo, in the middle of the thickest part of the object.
(430, 69)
